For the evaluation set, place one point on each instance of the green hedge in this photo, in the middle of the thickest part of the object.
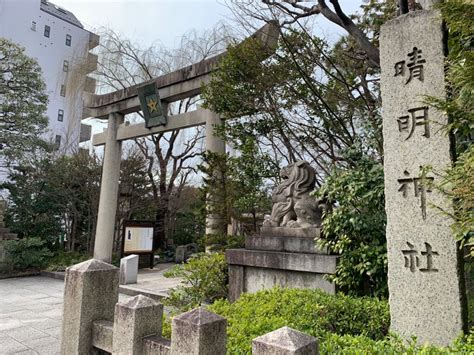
(343, 324)
(27, 253)
(391, 345)
(63, 259)
(311, 311)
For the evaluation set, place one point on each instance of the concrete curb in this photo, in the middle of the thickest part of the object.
(54, 274)
(19, 274)
(130, 291)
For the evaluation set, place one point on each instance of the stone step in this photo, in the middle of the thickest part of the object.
(4, 230)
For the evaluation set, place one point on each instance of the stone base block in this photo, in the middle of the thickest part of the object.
(284, 244)
(310, 232)
(254, 270)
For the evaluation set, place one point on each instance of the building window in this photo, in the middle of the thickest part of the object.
(63, 91)
(47, 31)
(66, 66)
(33, 25)
(68, 40)
(57, 141)
(60, 115)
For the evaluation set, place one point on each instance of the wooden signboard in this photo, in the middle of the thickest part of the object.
(138, 239)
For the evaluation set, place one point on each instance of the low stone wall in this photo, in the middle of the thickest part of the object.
(94, 320)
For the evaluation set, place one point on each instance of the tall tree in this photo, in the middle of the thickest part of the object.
(55, 196)
(318, 100)
(23, 101)
(294, 11)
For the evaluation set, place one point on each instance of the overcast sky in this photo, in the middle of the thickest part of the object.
(165, 21)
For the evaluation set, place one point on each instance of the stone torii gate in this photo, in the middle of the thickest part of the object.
(171, 87)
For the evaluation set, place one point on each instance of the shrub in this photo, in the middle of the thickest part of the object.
(204, 280)
(343, 324)
(391, 345)
(64, 259)
(311, 311)
(27, 253)
(355, 227)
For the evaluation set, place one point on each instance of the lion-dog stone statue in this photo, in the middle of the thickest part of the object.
(293, 207)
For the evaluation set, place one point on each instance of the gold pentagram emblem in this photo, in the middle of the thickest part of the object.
(152, 105)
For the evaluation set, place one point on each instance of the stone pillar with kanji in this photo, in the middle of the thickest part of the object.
(424, 260)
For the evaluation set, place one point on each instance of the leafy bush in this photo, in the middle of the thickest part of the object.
(348, 344)
(458, 184)
(64, 259)
(27, 253)
(355, 227)
(343, 324)
(311, 311)
(204, 280)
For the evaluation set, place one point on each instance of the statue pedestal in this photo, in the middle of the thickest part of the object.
(280, 256)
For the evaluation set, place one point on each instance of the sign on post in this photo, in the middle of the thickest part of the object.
(138, 239)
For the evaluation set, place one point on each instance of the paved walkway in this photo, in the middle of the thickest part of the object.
(31, 310)
(30, 315)
(152, 281)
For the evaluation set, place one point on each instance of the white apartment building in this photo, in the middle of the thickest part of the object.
(58, 41)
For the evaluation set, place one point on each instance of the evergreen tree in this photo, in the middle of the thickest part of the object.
(23, 101)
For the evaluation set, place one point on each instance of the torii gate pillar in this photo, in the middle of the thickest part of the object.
(214, 144)
(104, 235)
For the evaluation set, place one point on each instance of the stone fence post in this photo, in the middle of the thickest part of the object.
(93, 320)
(135, 319)
(198, 332)
(90, 294)
(285, 341)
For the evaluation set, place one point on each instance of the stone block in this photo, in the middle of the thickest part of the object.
(155, 344)
(180, 254)
(90, 294)
(424, 265)
(289, 244)
(254, 270)
(129, 269)
(308, 232)
(285, 341)
(102, 335)
(236, 284)
(198, 332)
(257, 279)
(135, 318)
(317, 263)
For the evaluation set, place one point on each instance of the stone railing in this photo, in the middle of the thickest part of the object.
(93, 319)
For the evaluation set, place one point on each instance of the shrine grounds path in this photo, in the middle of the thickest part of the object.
(30, 315)
(31, 309)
